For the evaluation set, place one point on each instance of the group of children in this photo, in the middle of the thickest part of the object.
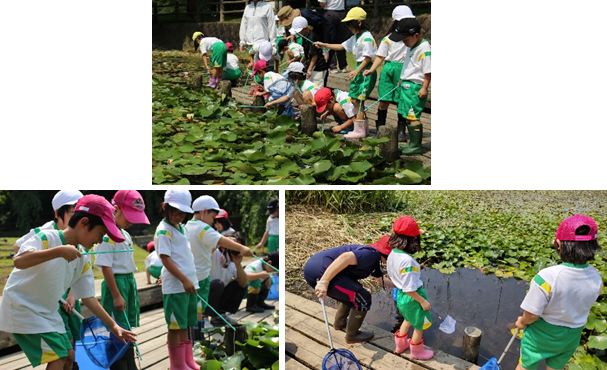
(49, 266)
(555, 309)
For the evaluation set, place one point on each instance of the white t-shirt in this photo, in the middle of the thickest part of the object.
(174, 243)
(153, 260)
(51, 225)
(203, 240)
(227, 231)
(333, 4)
(280, 31)
(31, 296)
(345, 101)
(254, 267)
(232, 62)
(361, 47)
(563, 295)
(296, 49)
(271, 77)
(121, 263)
(392, 50)
(273, 225)
(404, 271)
(417, 63)
(307, 85)
(206, 44)
(218, 272)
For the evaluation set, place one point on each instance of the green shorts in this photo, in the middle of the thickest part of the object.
(412, 311)
(127, 286)
(180, 310)
(255, 284)
(273, 241)
(231, 74)
(43, 348)
(203, 290)
(71, 321)
(409, 104)
(155, 271)
(219, 55)
(544, 341)
(361, 86)
(388, 80)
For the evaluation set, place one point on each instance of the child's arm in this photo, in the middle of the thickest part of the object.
(230, 244)
(378, 60)
(423, 92)
(385, 281)
(264, 239)
(348, 123)
(262, 91)
(168, 263)
(340, 263)
(241, 275)
(110, 281)
(362, 66)
(312, 64)
(423, 302)
(336, 47)
(32, 258)
(147, 275)
(257, 275)
(526, 319)
(93, 304)
(70, 302)
(205, 58)
(282, 99)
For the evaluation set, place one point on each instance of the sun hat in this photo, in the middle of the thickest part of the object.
(382, 245)
(322, 98)
(180, 199)
(299, 23)
(405, 27)
(296, 67)
(222, 214)
(65, 197)
(406, 225)
(196, 35)
(97, 205)
(150, 246)
(402, 11)
(205, 202)
(355, 14)
(132, 206)
(272, 206)
(265, 50)
(286, 15)
(229, 46)
(259, 65)
(566, 230)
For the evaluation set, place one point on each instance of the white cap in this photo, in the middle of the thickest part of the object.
(296, 67)
(299, 23)
(180, 199)
(276, 18)
(265, 50)
(66, 197)
(402, 11)
(205, 202)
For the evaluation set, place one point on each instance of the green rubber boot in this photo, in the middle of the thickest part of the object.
(414, 146)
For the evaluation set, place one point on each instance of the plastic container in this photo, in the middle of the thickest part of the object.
(274, 288)
(83, 360)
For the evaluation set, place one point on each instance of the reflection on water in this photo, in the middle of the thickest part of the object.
(472, 299)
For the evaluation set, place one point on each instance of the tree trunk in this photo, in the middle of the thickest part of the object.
(259, 101)
(197, 81)
(308, 119)
(471, 344)
(225, 87)
(389, 149)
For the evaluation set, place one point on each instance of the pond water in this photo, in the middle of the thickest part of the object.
(472, 299)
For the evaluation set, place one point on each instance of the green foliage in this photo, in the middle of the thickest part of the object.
(349, 201)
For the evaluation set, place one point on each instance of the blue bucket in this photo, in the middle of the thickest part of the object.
(274, 288)
(83, 360)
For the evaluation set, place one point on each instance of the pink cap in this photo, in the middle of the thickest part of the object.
(382, 245)
(259, 65)
(222, 214)
(150, 246)
(566, 230)
(229, 46)
(97, 205)
(406, 225)
(132, 206)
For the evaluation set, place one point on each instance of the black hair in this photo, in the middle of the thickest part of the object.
(166, 210)
(225, 223)
(579, 252)
(275, 258)
(364, 26)
(62, 211)
(151, 250)
(296, 76)
(238, 235)
(392, 28)
(409, 244)
(93, 220)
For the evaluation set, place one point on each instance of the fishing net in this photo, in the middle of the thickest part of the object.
(491, 365)
(279, 89)
(448, 326)
(340, 359)
(102, 347)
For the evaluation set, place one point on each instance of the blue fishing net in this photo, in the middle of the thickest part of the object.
(279, 89)
(340, 359)
(102, 347)
(491, 365)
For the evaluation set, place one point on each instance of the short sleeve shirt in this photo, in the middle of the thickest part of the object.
(218, 271)
(308, 85)
(153, 260)
(31, 296)
(296, 49)
(417, 63)
(232, 62)
(273, 225)
(361, 46)
(121, 263)
(343, 98)
(310, 51)
(206, 44)
(392, 50)
(254, 267)
(203, 240)
(404, 271)
(51, 225)
(173, 242)
(563, 295)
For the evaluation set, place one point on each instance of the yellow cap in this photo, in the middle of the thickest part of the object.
(196, 35)
(356, 14)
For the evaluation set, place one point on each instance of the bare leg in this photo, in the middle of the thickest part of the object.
(69, 360)
(56, 365)
(417, 336)
(404, 328)
(173, 337)
(383, 105)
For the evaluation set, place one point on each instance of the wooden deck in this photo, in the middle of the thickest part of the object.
(151, 339)
(306, 343)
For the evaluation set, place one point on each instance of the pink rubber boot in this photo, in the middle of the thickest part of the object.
(212, 82)
(177, 357)
(418, 352)
(189, 357)
(359, 129)
(402, 342)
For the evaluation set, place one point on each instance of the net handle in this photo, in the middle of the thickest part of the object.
(78, 315)
(508, 346)
(324, 311)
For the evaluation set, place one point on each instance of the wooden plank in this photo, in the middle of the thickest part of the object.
(292, 364)
(304, 349)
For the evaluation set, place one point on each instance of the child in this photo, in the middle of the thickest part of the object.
(393, 53)
(280, 90)
(415, 79)
(362, 45)
(272, 227)
(153, 263)
(295, 52)
(556, 307)
(46, 266)
(204, 240)
(178, 278)
(119, 295)
(222, 222)
(317, 66)
(340, 106)
(304, 89)
(259, 283)
(262, 50)
(219, 55)
(232, 70)
(412, 301)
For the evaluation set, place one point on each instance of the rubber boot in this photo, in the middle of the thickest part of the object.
(252, 303)
(261, 301)
(177, 357)
(381, 120)
(418, 352)
(401, 128)
(341, 316)
(359, 129)
(366, 125)
(402, 342)
(355, 320)
(189, 356)
(415, 144)
(212, 82)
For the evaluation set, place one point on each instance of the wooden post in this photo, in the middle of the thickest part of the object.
(471, 344)
(308, 119)
(197, 81)
(221, 9)
(389, 149)
(230, 338)
(259, 101)
(225, 87)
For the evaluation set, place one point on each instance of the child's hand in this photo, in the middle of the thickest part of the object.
(259, 245)
(519, 323)
(337, 128)
(268, 105)
(69, 252)
(236, 258)
(426, 305)
(422, 93)
(250, 66)
(367, 72)
(319, 44)
(188, 286)
(241, 48)
(324, 116)
(70, 301)
(246, 251)
(123, 334)
(352, 74)
(119, 304)
(268, 283)
(264, 275)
